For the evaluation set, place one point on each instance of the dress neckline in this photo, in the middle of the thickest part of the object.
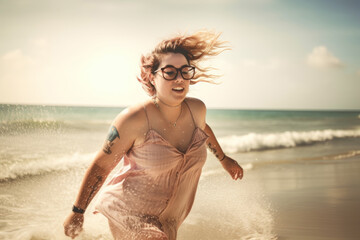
(168, 143)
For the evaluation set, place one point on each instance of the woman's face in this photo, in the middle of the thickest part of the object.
(174, 91)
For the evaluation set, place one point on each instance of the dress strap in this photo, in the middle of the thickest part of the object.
(190, 113)
(147, 118)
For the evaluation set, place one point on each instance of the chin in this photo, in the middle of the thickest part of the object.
(179, 97)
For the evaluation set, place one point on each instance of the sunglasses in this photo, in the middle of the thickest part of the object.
(170, 72)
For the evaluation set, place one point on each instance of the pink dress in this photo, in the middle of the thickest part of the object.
(154, 191)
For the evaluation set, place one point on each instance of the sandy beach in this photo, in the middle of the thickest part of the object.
(316, 200)
(301, 180)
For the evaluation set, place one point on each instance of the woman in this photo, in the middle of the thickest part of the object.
(163, 142)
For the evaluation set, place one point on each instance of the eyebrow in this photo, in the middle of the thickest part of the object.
(174, 66)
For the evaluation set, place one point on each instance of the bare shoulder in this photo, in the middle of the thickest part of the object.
(198, 108)
(131, 120)
(196, 103)
(125, 129)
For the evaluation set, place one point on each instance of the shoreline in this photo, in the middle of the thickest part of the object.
(317, 200)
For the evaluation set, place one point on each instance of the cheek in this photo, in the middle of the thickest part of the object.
(161, 85)
(155, 82)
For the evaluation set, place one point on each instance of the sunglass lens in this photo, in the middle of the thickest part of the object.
(169, 73)
(187, 72)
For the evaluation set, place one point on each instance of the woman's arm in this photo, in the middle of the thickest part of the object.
(213, 144)
(121, 136)
(93, 180)
(104, 162)
(229, 164)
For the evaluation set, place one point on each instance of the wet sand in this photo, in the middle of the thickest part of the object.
(313, 200)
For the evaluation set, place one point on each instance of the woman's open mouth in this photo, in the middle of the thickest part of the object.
(178, 89)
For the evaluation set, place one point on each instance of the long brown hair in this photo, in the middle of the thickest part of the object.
(195, 47)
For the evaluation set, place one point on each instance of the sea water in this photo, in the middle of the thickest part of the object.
(45, 150)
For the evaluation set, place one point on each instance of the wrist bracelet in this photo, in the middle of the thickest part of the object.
(223, 157)
(78, 210)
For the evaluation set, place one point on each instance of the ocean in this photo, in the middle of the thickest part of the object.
(45, 150)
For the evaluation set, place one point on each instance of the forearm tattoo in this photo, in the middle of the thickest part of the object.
(213, 150)
(94, 188)
(112, 135)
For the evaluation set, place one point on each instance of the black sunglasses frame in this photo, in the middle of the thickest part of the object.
(177, 72)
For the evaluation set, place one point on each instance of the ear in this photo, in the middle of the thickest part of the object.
(152, 81)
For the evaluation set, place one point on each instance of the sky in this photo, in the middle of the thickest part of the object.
(286, 54)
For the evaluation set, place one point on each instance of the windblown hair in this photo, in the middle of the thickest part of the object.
(195, 47)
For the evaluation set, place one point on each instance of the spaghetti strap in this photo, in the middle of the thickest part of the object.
(190, 113)
(147, 118)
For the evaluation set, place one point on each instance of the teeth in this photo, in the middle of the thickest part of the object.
(178, 88)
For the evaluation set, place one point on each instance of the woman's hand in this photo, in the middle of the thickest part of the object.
(73, 224)
(232, 167)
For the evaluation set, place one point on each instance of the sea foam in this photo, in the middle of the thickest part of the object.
(37, 167)
(256, 141)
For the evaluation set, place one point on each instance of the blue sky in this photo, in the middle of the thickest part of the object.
(285, 54)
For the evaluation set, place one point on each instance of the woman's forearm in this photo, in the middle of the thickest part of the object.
(213, 144)
(93, 180)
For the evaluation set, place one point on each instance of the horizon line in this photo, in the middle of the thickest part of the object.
(210, 108)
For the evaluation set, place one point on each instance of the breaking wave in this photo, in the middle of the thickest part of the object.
(38, 167)
(288, 139)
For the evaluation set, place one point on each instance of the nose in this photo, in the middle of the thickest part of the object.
(179, 78)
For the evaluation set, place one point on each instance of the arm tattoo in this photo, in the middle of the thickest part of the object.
(112, 135)
(93, 189)
(213, 150)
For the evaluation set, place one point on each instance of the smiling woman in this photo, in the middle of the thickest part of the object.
(163, 143)
(194, 48)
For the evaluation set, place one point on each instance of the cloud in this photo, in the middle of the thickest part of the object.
(17, 67)
(15, 61)
(321, 57)
(18, 73)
